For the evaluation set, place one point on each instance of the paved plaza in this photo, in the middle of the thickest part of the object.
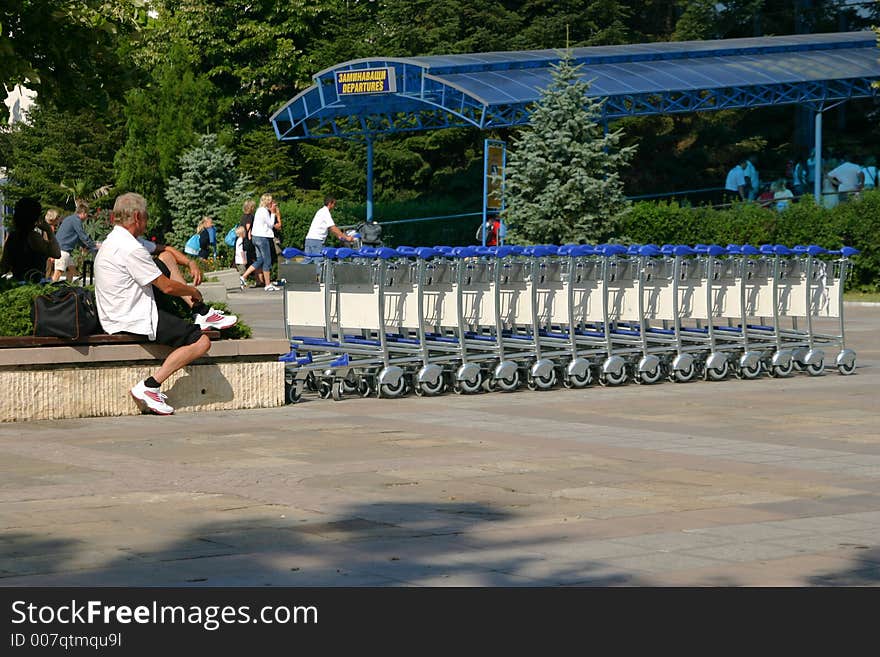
(744, 483)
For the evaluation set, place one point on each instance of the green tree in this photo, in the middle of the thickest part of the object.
(60, 154)
(272, 165)
(66, 50)
(164, 117)
(257, 54)
(209, 181)
(697, 22)
(563, 182)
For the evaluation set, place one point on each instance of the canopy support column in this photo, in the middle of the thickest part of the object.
(369, 179)
(817, 159)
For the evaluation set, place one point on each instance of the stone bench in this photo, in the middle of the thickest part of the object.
(23, 341)
(91, 378)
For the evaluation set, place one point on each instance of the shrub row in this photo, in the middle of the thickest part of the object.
(855, 223)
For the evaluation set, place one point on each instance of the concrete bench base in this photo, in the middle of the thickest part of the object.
(73, 382)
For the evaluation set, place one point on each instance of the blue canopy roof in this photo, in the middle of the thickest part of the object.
(493, 90)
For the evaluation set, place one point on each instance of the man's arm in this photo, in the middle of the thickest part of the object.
(182, 260)
(87, 241)
(340, 235)
(175, 289)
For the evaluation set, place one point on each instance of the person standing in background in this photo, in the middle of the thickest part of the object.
(735, 186)
(71, 234)
(869, 171)
(53, 219)
(751, 173)
(800, 181)
(247, 222)
(322, 223)
(263, 233)
(240, 258)
(847, 178)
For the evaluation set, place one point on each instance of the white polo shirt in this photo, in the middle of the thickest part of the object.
(320, 225)
(124, 273)
(736, 177)
(848, 175)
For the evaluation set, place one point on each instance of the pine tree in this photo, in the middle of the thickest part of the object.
(209, 182)
(562, 182)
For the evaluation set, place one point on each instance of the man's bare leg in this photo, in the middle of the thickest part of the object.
(181, 357)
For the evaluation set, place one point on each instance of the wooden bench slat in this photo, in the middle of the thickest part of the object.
(98, 338)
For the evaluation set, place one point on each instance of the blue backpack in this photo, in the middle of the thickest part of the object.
(230, 237)
(192, 245)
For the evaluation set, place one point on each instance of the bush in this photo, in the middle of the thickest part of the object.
(16, 301)
(855, 223)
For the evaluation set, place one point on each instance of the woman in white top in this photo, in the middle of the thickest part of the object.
(266, 220)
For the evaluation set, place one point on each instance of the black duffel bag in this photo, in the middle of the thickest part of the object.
(66, 312)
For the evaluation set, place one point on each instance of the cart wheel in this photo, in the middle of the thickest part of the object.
(816, 369)
(847, 368)
(542, 382)
(752, 372)
(685, 375)
(613, 378)
(364, 389)
(392, 390)
(291, 394)
(578, 380)
(350, 386)
(650, 376)
(468, 387)
(717, 373)
(508, 385)
(430, 389)
(325, 389)
(311, 382)
(781, 371)
(336, 390)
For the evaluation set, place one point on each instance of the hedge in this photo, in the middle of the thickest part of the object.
(855, 223)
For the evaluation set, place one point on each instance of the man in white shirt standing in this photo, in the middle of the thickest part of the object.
(735, 184)
(322, 223)
(847, 177)
(125, 278)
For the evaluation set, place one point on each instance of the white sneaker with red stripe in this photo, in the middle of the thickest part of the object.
(150, 399)
(215, 319)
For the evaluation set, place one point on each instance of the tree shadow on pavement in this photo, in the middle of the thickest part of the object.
(382, 544)
(865, 571)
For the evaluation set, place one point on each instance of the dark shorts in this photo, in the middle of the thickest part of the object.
(175, 332)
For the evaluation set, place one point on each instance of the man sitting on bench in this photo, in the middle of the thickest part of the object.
(126, 277)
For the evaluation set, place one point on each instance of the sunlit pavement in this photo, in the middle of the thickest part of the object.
(765, 482)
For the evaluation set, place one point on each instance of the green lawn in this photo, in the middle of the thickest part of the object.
(862, 296)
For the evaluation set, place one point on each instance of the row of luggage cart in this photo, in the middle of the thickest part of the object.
(384, 322)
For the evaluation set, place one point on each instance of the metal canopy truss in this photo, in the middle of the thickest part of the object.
(495, 90)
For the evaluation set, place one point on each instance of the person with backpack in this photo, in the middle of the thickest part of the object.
(199, 244)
